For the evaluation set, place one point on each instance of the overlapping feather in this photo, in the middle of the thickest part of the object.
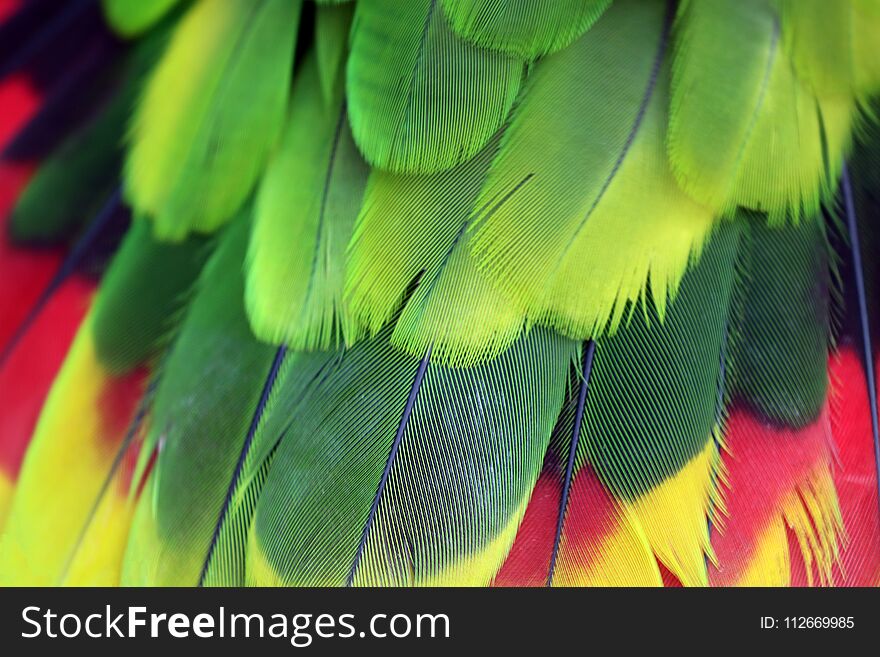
(628, 188)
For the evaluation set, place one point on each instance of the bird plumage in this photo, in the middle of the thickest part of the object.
(444, 292)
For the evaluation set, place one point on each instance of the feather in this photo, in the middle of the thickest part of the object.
(422, 100)
(296, 258)
(663, 481)
(142, 296)
(562, 225)
(811, 29)
(604, 546)
(332, 28)
(88, 411)
(88, 240)
(855, 412)
(291, 376)
(778, 480)
(764, 149)
(778, 444)
(265, 398)
(780, 367)
(454, 310)
(211, 111)
(27, 374)
(85, 418)
(72, 183)
(855, 477)
(864, 321)
(429, 490)
(500, 294)
(210, 382)
(575, 533)
(133, 18)
(523, 28)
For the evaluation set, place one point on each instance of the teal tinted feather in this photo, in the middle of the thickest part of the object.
(455, 484)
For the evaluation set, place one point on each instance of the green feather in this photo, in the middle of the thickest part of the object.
(142, 296)
(211, 112)
(656, 388)
(780, 347)
(525, 28)
(743, 130)
(132, 17)
(304, 217)
(332, 27)
(833, 45)
(457, 483)
(73, 184)
(724, 54)
(454, 310)
(421, 99)
(298, 372)
(208, 389)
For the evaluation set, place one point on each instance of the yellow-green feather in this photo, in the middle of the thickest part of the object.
(525, 28)
(580, 211)
(413, 228)
(834, 45)
(304, 216)
(743, 129)
(211, 111)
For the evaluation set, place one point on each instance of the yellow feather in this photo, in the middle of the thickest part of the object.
(675, 516)
(621, 558)
(65, 467)
(771, 564)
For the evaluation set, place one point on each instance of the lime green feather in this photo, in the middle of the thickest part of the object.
(817, 35)
(457, 482)
(413, 228)
(724, 54)
(211, 111)
(304, 216)
(207, 393)
(580, 211)
(743, 130)
(421, 99)
(865, 40)
(834, 46)
(525, 28)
